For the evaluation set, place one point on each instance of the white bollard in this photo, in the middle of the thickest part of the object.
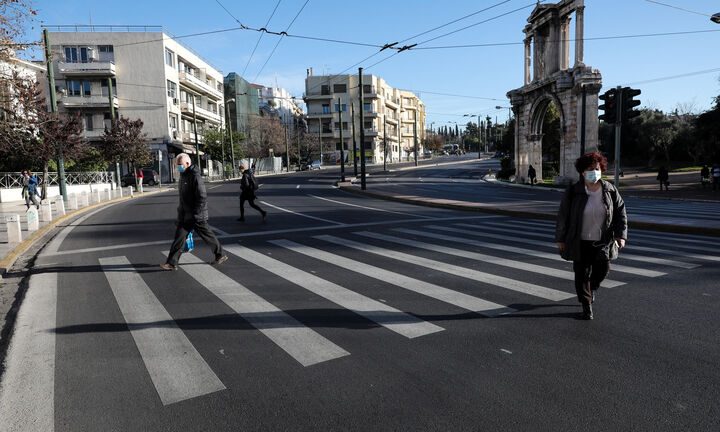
(130, 191)
(120, 191)
(108, 194)
(84, 199)
(32, 219)
(46, 212)
(96, 196)
(140, 186)
(13, 228)
(72, 202)
(60, 206)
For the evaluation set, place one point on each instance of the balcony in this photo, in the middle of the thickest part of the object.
(391, 120)
(197, 84)
(371, 132)
(317, 96)
(189, 137)
(95, 101)
(320, 114)
(371, 93)
(391, 103)
(106, 69)
(94, 134)
(200, 112)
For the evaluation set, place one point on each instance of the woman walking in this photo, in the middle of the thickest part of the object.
(30, 191)
(591, 228)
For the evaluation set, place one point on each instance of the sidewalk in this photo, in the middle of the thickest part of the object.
(683, 186)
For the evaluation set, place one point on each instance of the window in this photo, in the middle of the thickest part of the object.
(73, 88)
(86, 88)
(88, 122)
(171, 89)
(340, 88)
(169, 58)
(344, 126)
(83, 54)
(107, 120)
(367, 107)
(368, 124)
(71, 54)
(106, 53)
(367, 88)
(325, 89)
(104, 87)
(326, 109)
(173, 121)
(337, 108)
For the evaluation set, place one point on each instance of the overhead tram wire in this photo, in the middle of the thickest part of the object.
(675, 76)
(259, 38)
(229, 13)
(280, 39)
(677, 7)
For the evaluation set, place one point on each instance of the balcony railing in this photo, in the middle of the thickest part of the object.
(192, 81)
(94, 68)
(201, 112)
(96, 101)
(189, 137)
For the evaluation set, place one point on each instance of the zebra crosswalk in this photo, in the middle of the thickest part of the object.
(500, 271)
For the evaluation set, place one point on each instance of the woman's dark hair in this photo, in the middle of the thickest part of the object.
(588, 160)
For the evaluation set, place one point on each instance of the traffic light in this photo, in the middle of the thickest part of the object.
(609, 99)
(628, 103)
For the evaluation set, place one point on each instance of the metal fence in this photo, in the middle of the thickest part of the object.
(15, 179)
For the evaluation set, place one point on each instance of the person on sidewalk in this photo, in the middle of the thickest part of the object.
(716, 176)
(192, 214)
(532, 175)
(705, 175)
(248, 186)
(30, 191)
(591, 228)
(663, 177)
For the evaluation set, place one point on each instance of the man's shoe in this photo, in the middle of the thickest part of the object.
(240, 219)
(220, 260)
(264, 216)
(167, 266)
(587, 311)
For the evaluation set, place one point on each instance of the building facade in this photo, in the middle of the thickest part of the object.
(151, 75)
(279, 102)
(243, 102)
(393, 118)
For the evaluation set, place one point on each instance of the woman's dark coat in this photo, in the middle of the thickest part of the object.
(570, 216)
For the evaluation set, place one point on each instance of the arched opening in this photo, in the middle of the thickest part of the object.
(547, 125)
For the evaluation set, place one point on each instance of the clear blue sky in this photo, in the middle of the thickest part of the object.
(479, 72)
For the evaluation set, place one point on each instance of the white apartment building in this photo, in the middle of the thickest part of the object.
(154, 77)
(24, 70)
(390, 114)
(280, 102)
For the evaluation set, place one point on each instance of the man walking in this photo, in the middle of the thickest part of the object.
(248, 186)
(192, 214)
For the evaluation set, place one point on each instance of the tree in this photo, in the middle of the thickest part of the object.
(214, 141)
(265, 134)
(14, 17)
(126, 142)
(433, 141)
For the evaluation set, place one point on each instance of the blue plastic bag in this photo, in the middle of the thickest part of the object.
(189, 243)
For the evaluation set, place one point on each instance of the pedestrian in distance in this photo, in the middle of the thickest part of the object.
(705, 175)
(532, 175)
(29, 191)
(591, 228)
(663, 177)
(716, 176)
(248, 186)
(192, 214)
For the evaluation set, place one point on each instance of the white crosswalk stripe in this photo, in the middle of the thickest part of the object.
(437, 292)
(516, 264)
(552, 256)
(175, 367)
(627, 256)
(387, 316)
(303, 344)
(507, 283)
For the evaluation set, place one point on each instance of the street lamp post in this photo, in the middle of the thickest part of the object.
(229, 125)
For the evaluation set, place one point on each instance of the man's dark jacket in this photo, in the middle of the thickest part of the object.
(570, 217)
(193, 197)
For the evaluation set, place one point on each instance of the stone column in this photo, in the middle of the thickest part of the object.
(579, 34)
(565, 44)
(528, 60)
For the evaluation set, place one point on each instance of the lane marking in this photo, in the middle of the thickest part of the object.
(301, 214)
(387, 316)
(269, 232)
(218, 230)
(369, 208)
(55, 243)
(550, 243)
(503, 282)
(505, 351)
(175, 367)
(515, 264)
(437, 292)
(552, 256)
(302, 343)
(27, 394)
(297, 187)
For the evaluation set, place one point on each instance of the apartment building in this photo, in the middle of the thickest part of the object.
(242, 100)
(390, 115)
(23, 70)
(153, 77)
(279, 102)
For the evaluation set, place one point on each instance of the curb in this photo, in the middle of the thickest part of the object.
(679, 229)
(8, 260)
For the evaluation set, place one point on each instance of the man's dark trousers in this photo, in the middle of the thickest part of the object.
(250, 198)
(203, 230)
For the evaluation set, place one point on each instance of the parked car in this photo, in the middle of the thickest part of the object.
(315, 165)
(427, 154)
(150, 178)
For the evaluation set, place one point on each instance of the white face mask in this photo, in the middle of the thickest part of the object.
(593, 176)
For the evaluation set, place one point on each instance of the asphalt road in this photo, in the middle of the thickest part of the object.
(347, 313)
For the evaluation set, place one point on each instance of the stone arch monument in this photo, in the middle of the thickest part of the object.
(549, 78)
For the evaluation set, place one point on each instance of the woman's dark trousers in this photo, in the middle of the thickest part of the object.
(589, 272)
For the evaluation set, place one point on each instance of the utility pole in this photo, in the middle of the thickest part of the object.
(362, 130)
(287, 146)
(384, 145)
(342, 143)
(415, 137)
(320, 140)
(479, 135)
(354, 153)
(112, 122)
(53, 105)
(222, 148)
(197, 144)
(618, 134)
(229, 124)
